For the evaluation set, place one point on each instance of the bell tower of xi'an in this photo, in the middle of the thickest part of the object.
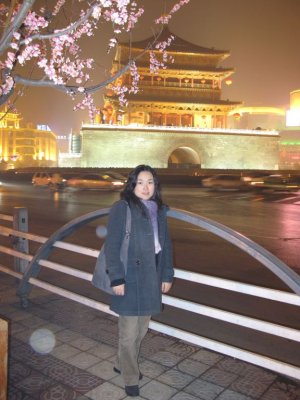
(187, 93)
(177, 119)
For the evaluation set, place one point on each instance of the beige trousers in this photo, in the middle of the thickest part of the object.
(132, 330)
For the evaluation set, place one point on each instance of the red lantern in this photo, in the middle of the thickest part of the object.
(236, 116)
(228, 82)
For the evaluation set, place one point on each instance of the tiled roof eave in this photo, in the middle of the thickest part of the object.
(178, 45)
(181, 68)
(136, 100)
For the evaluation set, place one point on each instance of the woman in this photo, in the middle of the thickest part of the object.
(149, 267)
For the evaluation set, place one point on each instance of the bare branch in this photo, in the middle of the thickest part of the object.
(66, 88)
(15, 24)
(4, 97)
(58, 33)
(74, 89)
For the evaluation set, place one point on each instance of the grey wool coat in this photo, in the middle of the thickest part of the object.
(144, 276)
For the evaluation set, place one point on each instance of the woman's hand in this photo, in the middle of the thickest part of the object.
(119, 290)
(166, 286)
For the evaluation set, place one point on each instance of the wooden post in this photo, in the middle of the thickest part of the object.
(3, 358)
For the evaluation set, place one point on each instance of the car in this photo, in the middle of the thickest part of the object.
(226, 181)
(48, 179)
(116, 175)
(94, 181)
(276, 183)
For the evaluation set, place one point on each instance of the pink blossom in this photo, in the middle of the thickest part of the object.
(164, 19)
(60, 58)
(17, 35)
(42, 62)
(58, 6)
(10, 60)
(112, 43)
(28, 53)
(7, 86)
(96, 12)
(87, 102)
(14, 46)
(106, 3)
(35, 22)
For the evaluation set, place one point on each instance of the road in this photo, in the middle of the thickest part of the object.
(270, 219)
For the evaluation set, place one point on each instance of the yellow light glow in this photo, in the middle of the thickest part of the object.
(258, 110)
(295, 99)
(293, 117)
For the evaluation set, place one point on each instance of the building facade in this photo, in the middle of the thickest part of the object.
(25, 146)
(289, 152)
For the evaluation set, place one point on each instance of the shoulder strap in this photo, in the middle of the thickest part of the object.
(125, 243)
(128, 220)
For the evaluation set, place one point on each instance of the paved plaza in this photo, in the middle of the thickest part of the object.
(62, 350)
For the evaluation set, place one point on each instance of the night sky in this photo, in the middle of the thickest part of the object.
(263, 37)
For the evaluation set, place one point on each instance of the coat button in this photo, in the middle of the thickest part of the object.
(138, 262)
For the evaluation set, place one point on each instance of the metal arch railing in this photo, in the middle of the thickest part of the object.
(43, 252)
(286, 274)
(279, 268)
(228, 234)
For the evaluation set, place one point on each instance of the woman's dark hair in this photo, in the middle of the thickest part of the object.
(128, 192)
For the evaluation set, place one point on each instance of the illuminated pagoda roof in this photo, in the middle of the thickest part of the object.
(187, 92)
(178, 45)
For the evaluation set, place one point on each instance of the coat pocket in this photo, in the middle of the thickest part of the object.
(132, 273)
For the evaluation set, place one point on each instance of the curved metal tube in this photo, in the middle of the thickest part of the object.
(33, 268)
(279, 268)
(274, 264)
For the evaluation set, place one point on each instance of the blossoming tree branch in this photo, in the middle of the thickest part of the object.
(41, 45)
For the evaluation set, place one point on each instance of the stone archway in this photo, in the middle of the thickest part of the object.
(184, 157)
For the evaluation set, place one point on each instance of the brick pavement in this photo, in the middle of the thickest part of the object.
(62, 350)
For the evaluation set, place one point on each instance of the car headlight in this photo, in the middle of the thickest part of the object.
(256, 183)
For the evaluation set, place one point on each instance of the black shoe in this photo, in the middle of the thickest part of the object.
(132, 391)
(118, 372)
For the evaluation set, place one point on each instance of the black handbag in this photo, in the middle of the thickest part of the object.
(100, 277)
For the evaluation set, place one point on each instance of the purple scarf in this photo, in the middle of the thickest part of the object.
(152, 208)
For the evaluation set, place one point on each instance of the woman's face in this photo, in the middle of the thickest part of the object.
(145, 186)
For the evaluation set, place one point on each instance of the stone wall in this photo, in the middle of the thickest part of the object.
(120, 147)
